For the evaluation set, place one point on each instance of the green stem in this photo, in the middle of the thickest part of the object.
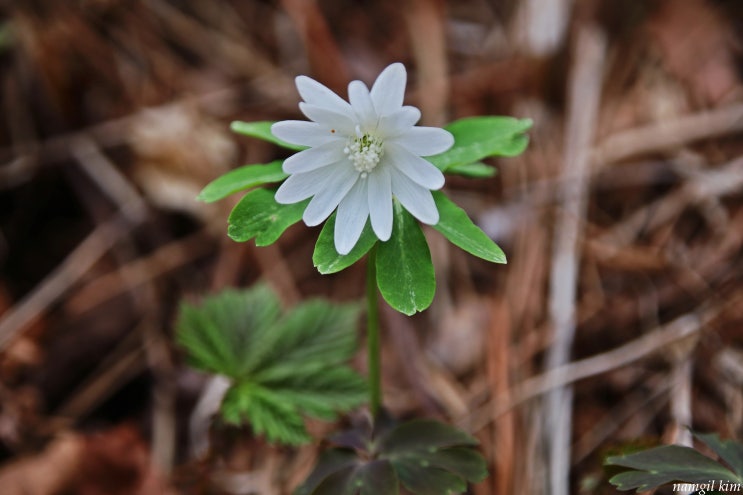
(372, 335)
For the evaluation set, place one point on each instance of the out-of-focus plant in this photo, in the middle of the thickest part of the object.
(283, 365)
(688, 468)
(371, 175)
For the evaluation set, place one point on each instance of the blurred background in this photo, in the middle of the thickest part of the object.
(616, 322)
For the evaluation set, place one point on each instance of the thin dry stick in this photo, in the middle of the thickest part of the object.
(141, 271)
(584, 97)
(77, 264)
(671, 333)
(710, 184)
(669, 134)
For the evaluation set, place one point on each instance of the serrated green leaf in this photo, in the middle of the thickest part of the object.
(405, 274)
(220, 332)
(456, 226)
(266, 412)
(242, 178)
(326, 258)
(476, 138)
(322, 393)
(262, 130)
(729, 450)
(476, 170)
(313, 334)
(259, 215)
(660, 465)
(283, 367)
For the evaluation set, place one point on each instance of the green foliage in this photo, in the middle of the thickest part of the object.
(262, 130)
(457, 227)
(405, 274)
(423, 456)
(658, 466)
(476, 138)
(242, 178)
(283, 365)
(259, 215)
(326, 258)
(475, 170)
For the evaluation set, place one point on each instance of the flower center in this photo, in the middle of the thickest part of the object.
(364, 151)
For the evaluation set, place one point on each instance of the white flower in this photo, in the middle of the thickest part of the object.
(360, 156)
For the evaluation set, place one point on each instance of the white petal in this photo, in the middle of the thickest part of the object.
(425, 141)
(303, 133)
(317, 94)
(416, 199)
(352, 213)
(313, 158)
(380, 202)
(362, 104)
(330, 194)
(342, 123)
(416, 168)
(397, 122)
(299, 187)
(389, 89)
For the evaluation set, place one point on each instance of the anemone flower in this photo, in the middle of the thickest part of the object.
(361, 156)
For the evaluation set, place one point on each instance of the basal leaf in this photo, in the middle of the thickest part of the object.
(424, 434)
(242, 178)
(462, 461)
(259, 215)
(457, 227)
(267, 414)
(428, 480)
(326, 258)
(405, 274)
(220, 332)
(476, 138)
(262, 130)
(322, 393)
(331, 461)
(729, 450)
(660, 465)
(313, 334)
(441, 463)
(283, 367)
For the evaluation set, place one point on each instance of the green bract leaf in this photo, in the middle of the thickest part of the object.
(457, 227)
(259, 215)
(660, 465)
(427, 457)
(282, 366)
(326, 258)
(242, 178)
(405, 274)
(262, 130)
(476, 138)
(476, 170)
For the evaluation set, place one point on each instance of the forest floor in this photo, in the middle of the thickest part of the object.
(622, 222)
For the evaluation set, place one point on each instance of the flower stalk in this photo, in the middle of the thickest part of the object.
(374, 358)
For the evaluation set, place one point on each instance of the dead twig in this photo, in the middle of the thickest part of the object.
(584, 98)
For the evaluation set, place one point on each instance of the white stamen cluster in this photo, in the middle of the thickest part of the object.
(364, 152)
